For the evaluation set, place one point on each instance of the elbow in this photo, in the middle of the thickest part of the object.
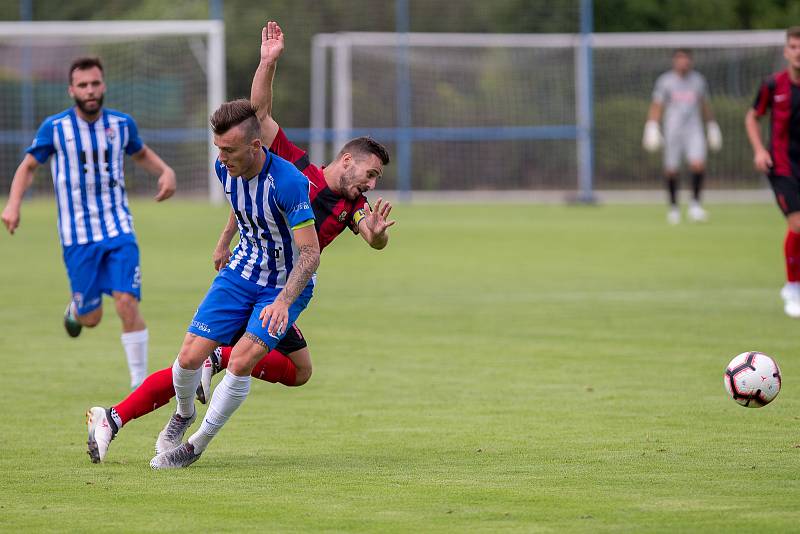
(379, 244)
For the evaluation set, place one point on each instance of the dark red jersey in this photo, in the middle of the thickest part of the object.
(779, 94)
(333, 213)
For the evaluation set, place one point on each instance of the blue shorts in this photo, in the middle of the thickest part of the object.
(103, 267)
(232, 301)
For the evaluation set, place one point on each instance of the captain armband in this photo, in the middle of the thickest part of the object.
(358, 216)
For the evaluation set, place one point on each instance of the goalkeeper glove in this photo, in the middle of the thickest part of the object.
(652, 140)
(714, 136)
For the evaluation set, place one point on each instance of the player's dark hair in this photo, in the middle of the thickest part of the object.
(793, 33)
(684, 51)
(84, 63)
(232, 114)
(364, 146)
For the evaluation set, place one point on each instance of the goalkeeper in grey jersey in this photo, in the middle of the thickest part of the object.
(681, 98)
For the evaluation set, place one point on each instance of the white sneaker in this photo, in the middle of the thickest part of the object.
(100, 434)
(674, 216)
(791, 299)
(697, 213)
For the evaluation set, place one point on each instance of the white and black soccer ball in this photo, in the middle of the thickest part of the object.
(753, 379)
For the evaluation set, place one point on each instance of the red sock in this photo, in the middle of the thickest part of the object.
(225, 355)
(153, 393)
(275, 367)
(791, 250)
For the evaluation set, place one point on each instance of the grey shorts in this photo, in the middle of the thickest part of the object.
(684, 144)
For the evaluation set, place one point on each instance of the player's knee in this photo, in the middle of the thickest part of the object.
(239, 367)
(92, 318)
(126, 304)
(302, 375)
(793, 220)
(697, 168)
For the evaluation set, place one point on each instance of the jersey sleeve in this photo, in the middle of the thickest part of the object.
(42, 147)
(358, 214)
(763, 99)
(220, 170)
(291, 195)
(660, 92)
(135, 143)
(284, 148)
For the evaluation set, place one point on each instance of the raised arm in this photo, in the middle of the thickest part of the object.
(761, 156)
(147, 159)
(222, 252)
(261, 89)
(375, 224)
(23, 178)
(277, 313)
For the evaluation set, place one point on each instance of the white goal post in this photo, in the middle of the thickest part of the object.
(191, 70)
(528, 93)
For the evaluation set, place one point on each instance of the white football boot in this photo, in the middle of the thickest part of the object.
(674, 216)
(100, 434)
(791, 299)
(697, 213)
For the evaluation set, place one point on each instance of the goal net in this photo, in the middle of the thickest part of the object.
(168, 75)
(503, 111)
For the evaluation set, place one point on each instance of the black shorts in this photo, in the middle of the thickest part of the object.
(787, 193)
(291, 342)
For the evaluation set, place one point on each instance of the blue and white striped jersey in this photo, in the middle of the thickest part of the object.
(88, 174)
(267, 207)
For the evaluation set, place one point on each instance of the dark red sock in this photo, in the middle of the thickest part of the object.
(153, 393)
(791, 250)
(275, 367)
(225, 355)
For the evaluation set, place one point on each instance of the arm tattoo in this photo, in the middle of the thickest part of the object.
(257, 340)
(306, 264)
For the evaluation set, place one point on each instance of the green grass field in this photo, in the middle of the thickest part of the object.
(496, 368)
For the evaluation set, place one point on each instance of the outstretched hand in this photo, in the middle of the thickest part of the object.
(377, 219)
(271, 42)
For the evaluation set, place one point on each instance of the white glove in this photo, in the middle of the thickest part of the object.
(714, 136)
(652, 140)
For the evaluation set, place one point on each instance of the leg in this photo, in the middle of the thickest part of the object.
(674, 213)
(695, 144)
(134, 335)
(698, 170)
(289, 363)
(787, 194)
(232, 391)
(92, 318)
(83, 264)
(186, 371)
(186, 374)
(671, 179)
(104, 424)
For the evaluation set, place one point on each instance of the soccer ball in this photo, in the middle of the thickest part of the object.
(753, 379)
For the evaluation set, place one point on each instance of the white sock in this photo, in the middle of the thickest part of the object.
(185, 382)
(228, 396)
(135, 345)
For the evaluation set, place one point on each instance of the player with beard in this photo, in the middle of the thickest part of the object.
(338, 202)
(94, 223)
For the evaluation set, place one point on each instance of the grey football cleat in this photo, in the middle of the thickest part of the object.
(173, 432)
(71, 324)
(181, 456)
